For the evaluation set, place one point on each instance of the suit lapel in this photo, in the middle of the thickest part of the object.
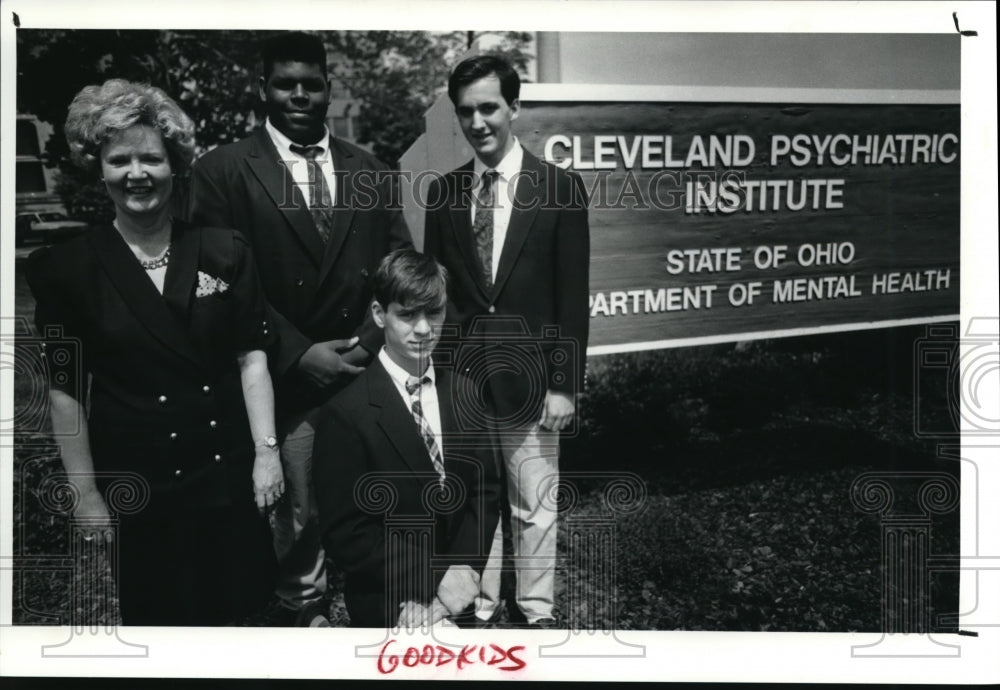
(277, 181)
(138, 292)
(346, 168)
(396, 421)
(182, 271)
(460, 210)
(528, 197)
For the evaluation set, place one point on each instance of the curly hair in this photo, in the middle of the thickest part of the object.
(99, 112)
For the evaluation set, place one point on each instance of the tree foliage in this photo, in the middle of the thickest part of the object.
(512, 45)
(394, 75)
(397, 76)
(208, 72)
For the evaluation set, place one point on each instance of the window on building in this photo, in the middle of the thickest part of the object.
(27, 139)
(29, 177)
(338, 89)
(342, 127)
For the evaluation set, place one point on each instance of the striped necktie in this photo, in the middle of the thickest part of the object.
(413, 386)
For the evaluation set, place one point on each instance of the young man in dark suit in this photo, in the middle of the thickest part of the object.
(513, 233)
(407, 503)
(316, 211)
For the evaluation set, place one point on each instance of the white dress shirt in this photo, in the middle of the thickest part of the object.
(503, 194)
(428, 393)
(298, 165)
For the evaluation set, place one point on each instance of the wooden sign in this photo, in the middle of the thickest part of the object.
(720, 220)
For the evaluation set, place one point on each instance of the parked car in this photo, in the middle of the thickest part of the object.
(45, 226)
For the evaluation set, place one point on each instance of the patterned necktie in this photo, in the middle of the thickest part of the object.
(319, 193)
(482, 226)
(413, 386)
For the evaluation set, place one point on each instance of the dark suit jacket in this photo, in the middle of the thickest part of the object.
(542, 281)
(166, 400)
(373, 476)
(316, 293)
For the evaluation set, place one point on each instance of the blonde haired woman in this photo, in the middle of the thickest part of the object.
(172, 373)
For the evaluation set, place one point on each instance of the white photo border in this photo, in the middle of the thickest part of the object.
(701, 656)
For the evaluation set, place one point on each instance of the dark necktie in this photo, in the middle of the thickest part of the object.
(413, 386)
(319, 193)
(482, 225)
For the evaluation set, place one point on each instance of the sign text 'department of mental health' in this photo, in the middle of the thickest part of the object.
(714, 221)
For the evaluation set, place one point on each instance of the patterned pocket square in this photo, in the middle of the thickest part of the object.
(207, 285)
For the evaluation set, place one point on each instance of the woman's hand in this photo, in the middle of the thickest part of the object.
(69, 424)
(268, 479)
(92, 518)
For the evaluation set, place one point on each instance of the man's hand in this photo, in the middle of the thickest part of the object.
(458, 588)
(323, 363)
(557, 411)
(268, 478)
(357, 356)
(413, 614)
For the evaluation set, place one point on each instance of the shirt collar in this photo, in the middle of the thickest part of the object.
(398, 374)
(508, 168)
(284, 144)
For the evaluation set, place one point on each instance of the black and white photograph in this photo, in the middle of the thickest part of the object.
(401, 343)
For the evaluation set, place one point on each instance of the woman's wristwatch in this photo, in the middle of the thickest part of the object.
(269, 442)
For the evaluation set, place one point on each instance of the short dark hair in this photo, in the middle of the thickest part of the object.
(412, 279)
(292, 46)
(475, 68)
